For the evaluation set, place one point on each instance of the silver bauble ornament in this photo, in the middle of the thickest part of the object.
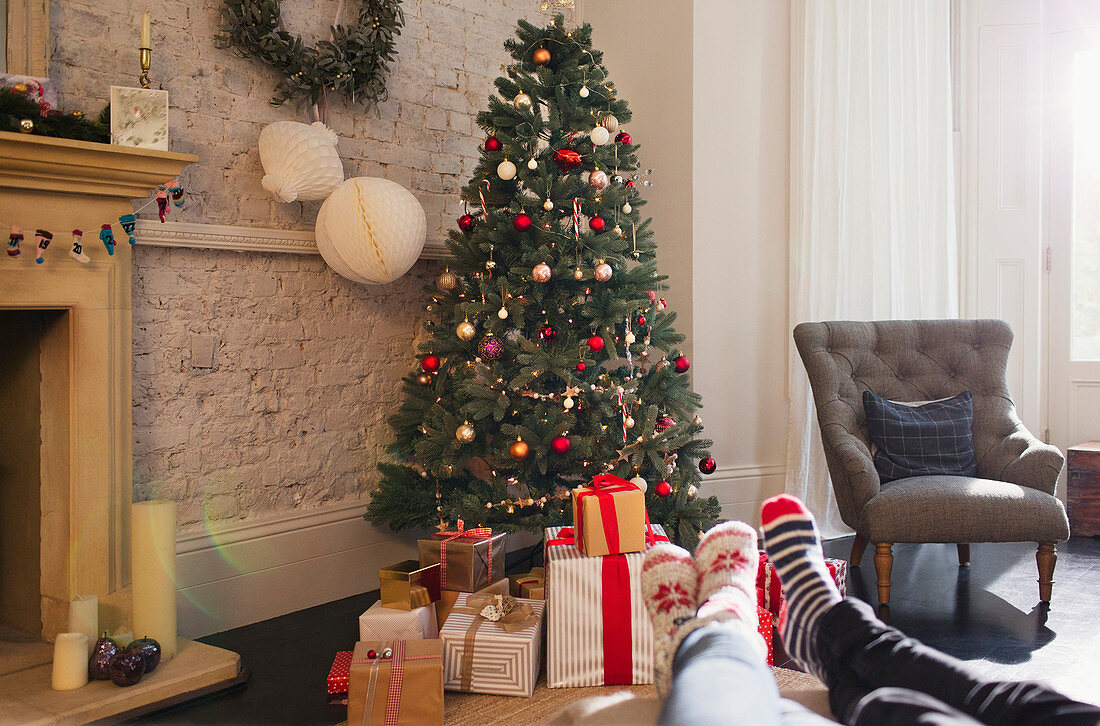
(465, 330)
(602, 272)
(541, 272)
(597, 180)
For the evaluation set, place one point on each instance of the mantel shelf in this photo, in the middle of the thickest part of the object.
(64, 166)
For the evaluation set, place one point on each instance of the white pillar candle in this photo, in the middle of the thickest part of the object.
(84, 618)
(70, 661)
(153, 569)
(122, 637)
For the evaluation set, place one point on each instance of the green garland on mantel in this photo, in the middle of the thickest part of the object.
(353, 64)
(19, 112)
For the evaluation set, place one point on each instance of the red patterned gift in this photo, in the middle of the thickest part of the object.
(337, 681)
(765, 621)
(769, 591)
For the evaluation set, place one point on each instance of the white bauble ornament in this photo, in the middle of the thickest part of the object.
(506, 170)
(583, 93)
(371, 230)
(629, 422)
(548, 205)
(599, 136)
(300, 160)
(522, 101)
(597, 180)
(641, 483)
(502, 313)
(603, 272)
(568, 403)
(630, 338)
(610, 123)
(533, 164)
(627, 209)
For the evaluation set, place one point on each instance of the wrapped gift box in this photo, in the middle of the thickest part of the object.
(485, 656)
(531, 586)
(765, 622)
(448, 598)
(609, 517)
(409, 585)
(382, 623)
(405, 689)
(337, 681)
(598, 629)
(469, 559)
(769, 591)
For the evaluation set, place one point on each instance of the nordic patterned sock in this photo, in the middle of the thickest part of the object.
(794, 550)
(668, 586)
(727, 561)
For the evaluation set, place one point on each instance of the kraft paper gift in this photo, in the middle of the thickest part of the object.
(405, 689)
(492, 644)
(609, 517)
(382, 623)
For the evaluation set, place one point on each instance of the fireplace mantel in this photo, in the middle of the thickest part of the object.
(59, 185)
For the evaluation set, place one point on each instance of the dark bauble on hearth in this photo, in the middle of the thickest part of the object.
(150, 649)
(102, 652)
(126, 667)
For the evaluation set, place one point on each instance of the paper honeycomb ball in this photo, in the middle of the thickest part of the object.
(300, 160)
(371, 230)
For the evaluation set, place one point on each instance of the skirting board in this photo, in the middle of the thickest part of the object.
(742, 489)
(276, 566)
(244, 239)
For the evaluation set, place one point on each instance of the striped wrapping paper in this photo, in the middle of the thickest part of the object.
(382, 623)
(575, 630)
(504, 664)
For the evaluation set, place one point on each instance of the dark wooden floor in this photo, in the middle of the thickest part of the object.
(986, 614)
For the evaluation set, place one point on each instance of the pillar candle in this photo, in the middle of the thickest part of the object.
(122, 636)
(70, 661)
(84, 618)
(153, 568)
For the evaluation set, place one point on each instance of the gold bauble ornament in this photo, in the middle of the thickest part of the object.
(465, 433)
(465, 330)
(541, 272)
(610, 123)
(602, 272)
(519, 450)
(446, 280)
(578, 274)
(522, 102)
(19, 88)
(541, 57)
(26, 126)
(698, 420)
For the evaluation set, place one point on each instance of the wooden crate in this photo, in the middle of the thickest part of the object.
(1083, 489)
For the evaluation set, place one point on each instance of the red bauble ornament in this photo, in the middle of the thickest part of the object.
(580, 367)
(595, 344)
(630, 183)
(492, 144)
(465, 222)
(663, 423)
(681, 364)
(567, 160)
(623, 137)
(521, 222)
(663, 489)
(430, 363)
(548, 333)
(652, 296)
(597, 224)
(707, 465)
(640, 320)
(560, 445)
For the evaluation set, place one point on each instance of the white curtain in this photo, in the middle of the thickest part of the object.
(872, 187)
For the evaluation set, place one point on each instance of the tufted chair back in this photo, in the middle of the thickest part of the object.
(907, 360)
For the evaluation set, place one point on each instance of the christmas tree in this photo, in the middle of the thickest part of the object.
(552, 357)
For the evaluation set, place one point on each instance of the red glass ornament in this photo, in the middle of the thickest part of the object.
(640, 320)
(580, 367)
(623, 137)
(630, 183)
(560, 445)
(652, 295)
(595, 344)
(521, 222)
(492, 144)
(663, 489)
(372, 654)
(548, 333)
(567, 160)
(430, 363)
(597, 224)
(465, 222)
(663, 423)
(707, 465)
(681, 364)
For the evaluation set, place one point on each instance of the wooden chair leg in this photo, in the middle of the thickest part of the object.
(884, 563)
(1046, 557)
(964, 554)
(859, 544)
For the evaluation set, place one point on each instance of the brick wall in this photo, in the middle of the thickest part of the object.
(292, 413)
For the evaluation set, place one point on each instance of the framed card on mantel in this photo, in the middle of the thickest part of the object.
(139, 117)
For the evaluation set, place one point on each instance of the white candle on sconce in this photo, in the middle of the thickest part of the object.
(84, 618)
(146, 32)
(70, 661)
(153, 572)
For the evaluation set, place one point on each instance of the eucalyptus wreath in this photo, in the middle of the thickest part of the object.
(353, 63)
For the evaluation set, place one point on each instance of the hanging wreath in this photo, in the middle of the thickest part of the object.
(353, 63)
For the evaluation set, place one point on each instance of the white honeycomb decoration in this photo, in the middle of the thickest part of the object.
(300, 160)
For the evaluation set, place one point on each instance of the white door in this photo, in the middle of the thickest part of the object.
(1073, 221)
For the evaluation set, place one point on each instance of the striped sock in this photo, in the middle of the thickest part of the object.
(794, 549)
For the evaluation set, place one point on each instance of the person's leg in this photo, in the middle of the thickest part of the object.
(904, 707)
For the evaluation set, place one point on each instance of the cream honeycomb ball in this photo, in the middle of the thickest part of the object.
(371, 230)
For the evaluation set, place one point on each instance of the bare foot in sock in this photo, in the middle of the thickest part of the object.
(669, 588)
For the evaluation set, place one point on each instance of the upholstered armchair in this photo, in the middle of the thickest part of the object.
(1012, 497)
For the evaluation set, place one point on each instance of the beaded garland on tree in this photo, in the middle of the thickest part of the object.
(568, 370)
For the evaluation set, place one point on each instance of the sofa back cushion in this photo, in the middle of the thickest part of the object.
(921, 438)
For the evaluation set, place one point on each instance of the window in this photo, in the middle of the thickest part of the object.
(1085, 293)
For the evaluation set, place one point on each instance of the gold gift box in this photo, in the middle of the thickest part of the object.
(407, 585)
(531, 586)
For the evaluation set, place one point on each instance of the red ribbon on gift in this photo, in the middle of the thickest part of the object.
(618, 661)
(477, 534)
(603, 486)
